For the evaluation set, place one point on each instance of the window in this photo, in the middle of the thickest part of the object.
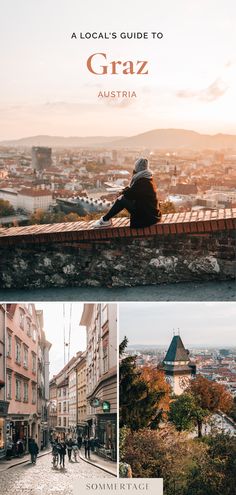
(22, 319)
(8, 386)
(9, 344)
(64, 391)
(26, 392)
(105, 354)
(25, 357)
(59, 405)
(18, 389)
(64, 421)
(59, 421)
(28, 327)
(104, 315)
(33, 393)
(18, 352)
(34, 333)
(64, 406)
(59, 392)
(33, 362)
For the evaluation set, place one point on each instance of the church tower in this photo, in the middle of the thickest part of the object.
(177, 366)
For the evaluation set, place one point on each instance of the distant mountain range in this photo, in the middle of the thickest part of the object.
(155, 139)
(60, 141)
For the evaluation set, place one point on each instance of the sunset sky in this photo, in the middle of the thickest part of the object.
(46, 88)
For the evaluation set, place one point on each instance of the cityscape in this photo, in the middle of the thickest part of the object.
(77, 405)
(41, 184)
(183, 395)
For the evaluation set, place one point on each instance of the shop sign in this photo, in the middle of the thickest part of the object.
(95, 402)
(106, 406)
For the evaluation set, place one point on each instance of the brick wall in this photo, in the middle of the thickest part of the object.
(182, 247)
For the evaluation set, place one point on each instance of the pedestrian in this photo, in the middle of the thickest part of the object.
(55, 454)
(75, 450)
(139, 199)
(79, 442)
(87, 447)
(33, 450)
(61, 447)
(69, 445)
(19, 448)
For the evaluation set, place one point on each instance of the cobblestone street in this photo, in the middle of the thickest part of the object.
(43, 479)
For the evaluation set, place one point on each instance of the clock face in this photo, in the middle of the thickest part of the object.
(184, 382)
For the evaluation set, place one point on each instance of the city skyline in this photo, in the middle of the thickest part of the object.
(189, 318)
(46, 87)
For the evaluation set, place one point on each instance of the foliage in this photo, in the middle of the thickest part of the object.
(155, 378)
(163, 453)
(167, 207)
(216, 476)
(209, 396)
(189, 466)
(138, 389)
(233, 410)
(6, 208)
(72, 217)
(185, 412)
(123, 346)
(43, 217)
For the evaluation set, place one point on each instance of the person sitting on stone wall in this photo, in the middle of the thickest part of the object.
(139, 199)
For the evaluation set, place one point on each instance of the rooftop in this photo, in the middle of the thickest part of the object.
(35, 192)
(176, 351)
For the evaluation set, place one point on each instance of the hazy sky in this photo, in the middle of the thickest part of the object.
(45, 87)
(203, 324)
(54, 329)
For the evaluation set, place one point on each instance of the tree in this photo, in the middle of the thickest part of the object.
(209, 396)
(72, 217)
(167, 207)
(155, 378)
(185, 413)
(123, 346)
(163, 453)
(233, 410)
(6, 208)
(217, 474)
(139, 399)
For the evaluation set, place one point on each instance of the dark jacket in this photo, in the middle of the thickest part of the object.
(146, 209)
(33, 448)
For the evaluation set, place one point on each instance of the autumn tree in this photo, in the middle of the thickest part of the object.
(163, 453)
(72, 217)
(140, 400)
(155, 378)
(41, 216)
(6, 208)
(209, 396)
(167, 207)
(217, 474)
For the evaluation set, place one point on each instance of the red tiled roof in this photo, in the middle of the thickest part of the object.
(35, 192)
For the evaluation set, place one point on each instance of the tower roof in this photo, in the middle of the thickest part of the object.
(176, 351)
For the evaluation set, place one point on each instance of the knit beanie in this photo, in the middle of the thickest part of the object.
(141, 164)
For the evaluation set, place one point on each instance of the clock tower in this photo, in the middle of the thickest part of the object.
(177, 366)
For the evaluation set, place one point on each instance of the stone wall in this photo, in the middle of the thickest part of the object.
(70, 255)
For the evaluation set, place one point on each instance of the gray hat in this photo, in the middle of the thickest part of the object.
(141, 164)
